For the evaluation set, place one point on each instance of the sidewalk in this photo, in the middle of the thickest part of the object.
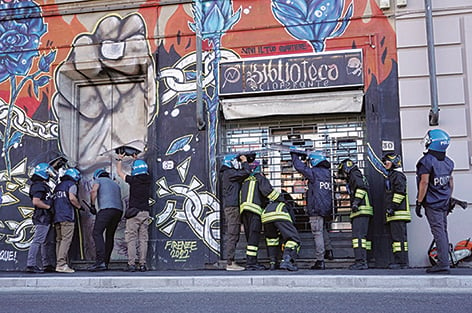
(459, 280)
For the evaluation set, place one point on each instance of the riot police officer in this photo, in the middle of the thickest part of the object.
(397, 209)
(435, 184)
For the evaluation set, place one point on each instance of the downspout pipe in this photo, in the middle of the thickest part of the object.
(433, 85)
(200, 108)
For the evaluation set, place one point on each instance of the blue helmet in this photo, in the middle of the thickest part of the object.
(229, 158)
(99, 172)
(139, 167)
(316, 158)
(73, 173)
(437, 140)
(43, 170)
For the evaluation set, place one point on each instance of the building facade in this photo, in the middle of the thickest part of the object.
(184, 82)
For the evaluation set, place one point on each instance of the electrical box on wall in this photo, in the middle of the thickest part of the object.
(384, 4)
(402, 3)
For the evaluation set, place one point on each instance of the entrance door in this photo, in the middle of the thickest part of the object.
(336, 138)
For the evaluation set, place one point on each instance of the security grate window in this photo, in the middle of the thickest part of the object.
(271, 139)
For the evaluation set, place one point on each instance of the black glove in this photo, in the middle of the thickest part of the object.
(93, 210)
(418, 209)
(390, 211)
(355, 205)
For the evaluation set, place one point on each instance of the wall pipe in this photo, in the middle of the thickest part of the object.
(433, 85)
(200, 108)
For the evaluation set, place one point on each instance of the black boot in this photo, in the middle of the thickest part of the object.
(329, 255)
(287, 264)
(273, 266)
(319, 265)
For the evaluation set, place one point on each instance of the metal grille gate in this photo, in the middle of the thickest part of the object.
(338, 138)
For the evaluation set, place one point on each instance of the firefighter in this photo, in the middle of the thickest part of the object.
(319, 199)
(435, 185)
(233, 171)
(255, 193)
(277, 219)
(397, 209)
(361, 211)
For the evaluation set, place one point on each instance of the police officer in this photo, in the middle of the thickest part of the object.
(278, 218)
(319, 198)
(397, 209)
(435, 184)
(41, 196)
(255, 193)
(65, 203)
(232, 173)
(361, 211)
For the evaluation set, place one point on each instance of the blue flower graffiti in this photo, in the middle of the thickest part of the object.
(21, 28)
(312, 20)
(212, 20)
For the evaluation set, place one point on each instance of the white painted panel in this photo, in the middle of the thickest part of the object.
(414, 122)
(449, 60)
(412, 62)
(411, 33)
(414, 91)
(446, 29)
(451, 90)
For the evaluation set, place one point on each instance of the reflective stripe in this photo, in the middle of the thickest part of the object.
(272, 242)
(397, 246)
(290, 244)
(275, 216)
(273, 195)
(398, 198)
(249, 206)
(364, 243)
(360, 193)
(400, 216)
(251, 250)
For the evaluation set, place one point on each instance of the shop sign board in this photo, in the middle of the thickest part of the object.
(292, 73)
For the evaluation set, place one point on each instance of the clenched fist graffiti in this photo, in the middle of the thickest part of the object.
(106, 92)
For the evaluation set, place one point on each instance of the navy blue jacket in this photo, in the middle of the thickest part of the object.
(63, 208)
(319, 198)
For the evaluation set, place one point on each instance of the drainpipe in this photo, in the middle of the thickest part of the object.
(200, 107)
(433, 85)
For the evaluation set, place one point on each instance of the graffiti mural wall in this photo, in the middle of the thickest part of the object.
(79, 84)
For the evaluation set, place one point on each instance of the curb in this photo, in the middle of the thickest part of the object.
(241, 283)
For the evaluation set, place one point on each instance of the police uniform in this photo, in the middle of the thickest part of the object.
(437, 199)
(396, 201)
(255, 192)
(277, 218)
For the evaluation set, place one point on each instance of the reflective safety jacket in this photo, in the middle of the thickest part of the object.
(396, 196)
(276, 211)
(358, 191)
(255, 192)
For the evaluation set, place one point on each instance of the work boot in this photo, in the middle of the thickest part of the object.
(97, 267)
(255, 267)
(359, 265)
(34, 269)
(288, 265)
(319, 265)
(329, 255)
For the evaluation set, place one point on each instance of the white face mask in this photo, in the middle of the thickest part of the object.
(236, 164)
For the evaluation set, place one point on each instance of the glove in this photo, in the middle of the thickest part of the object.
(390, 211)
(93, 210)
(354, 207)
(418, 209)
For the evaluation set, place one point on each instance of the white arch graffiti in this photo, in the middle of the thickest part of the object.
(19, 238)
(201, 211)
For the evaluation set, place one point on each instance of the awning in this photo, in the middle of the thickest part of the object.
(295, 104)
